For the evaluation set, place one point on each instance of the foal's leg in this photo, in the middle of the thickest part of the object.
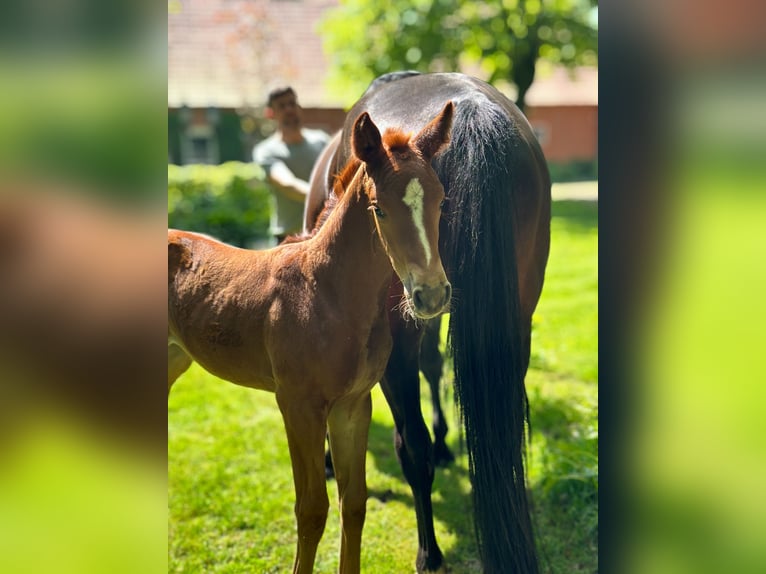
(349, 424)
(178, 362)
(305, 424)
(401, 386)
(432, 363)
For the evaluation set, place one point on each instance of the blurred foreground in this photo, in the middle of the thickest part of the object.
(82, 314)
(683, 277)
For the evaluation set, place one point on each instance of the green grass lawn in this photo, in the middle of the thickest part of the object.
(230, 485)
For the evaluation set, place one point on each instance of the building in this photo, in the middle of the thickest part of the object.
(218, 77)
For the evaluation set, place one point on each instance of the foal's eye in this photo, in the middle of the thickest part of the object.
(379, 212)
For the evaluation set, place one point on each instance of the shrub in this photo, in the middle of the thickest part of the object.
(230, 201)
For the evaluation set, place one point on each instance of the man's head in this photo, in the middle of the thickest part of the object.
(282, 107)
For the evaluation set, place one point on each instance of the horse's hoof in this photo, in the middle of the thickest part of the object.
(437, 564)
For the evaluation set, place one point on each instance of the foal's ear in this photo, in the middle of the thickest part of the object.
(434, 136)
(365, 139)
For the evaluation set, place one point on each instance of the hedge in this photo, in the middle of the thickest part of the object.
(578, 170)
(230, 202)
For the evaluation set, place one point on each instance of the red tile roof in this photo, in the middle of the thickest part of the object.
(229, 53)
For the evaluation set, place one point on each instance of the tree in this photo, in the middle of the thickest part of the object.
(505, 38)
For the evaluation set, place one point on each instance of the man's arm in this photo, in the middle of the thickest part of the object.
(287, 182)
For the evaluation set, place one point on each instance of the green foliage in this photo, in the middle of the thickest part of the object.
(230, 201)
(504, 37)
(96, 126)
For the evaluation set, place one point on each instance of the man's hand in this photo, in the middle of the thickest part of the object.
(287, 182)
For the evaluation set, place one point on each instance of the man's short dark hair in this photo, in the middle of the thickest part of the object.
(278, 93)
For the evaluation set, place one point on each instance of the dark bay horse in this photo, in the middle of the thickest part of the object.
(494, 242)
(308, 320)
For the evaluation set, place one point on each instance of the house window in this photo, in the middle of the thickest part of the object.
(199, 144)
(200, 147)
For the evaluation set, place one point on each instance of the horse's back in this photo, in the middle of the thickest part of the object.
(413, 99)
(187, 250)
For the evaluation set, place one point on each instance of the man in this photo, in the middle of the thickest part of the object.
(288, 157)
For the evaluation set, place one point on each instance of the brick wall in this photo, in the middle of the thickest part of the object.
(567, 133)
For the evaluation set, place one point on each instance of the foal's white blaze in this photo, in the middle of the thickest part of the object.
(413, 198)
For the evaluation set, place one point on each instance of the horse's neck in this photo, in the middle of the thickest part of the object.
(349, 247)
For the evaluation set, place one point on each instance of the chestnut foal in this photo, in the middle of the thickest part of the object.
(308, 320)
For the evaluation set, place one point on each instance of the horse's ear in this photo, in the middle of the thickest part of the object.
(436, 134)
(365, 139)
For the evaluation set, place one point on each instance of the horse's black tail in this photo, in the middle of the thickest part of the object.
(487, 336)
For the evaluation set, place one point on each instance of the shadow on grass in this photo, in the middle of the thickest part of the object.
(564, 502)
(381, 445)
(451, 504)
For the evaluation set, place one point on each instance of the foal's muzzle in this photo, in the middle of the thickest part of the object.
(428, 301)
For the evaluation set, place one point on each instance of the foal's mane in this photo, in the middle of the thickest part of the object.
(339, 187)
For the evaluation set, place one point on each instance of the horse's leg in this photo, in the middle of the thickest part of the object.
(178, 362)
(349, 424)
(432, 363)
(401, 386)
(305, 424)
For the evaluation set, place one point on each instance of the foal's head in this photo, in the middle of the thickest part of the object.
(406, 198)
